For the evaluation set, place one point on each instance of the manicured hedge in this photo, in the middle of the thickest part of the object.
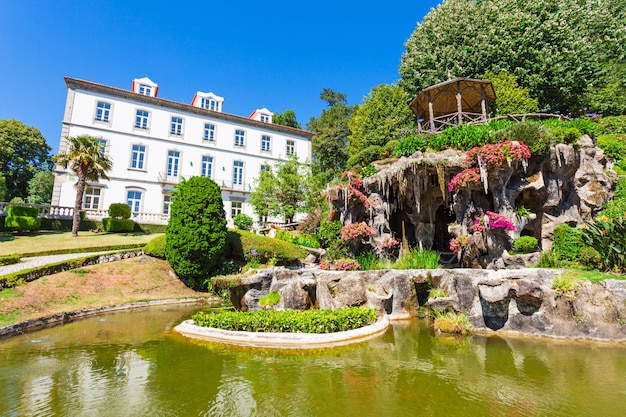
(118, 225)
(25, 211)
(22, 223)
(119, 211)
(156, 247)
(240, 243)
(289, 321)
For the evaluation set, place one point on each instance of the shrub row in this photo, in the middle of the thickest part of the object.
(114, 225)
(131, 246)
(9, 259)
(289, 321)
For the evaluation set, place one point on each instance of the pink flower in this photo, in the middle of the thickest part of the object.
(463, 179)
(498, 154)
(355, 230)
(346, 265)
(389, 243)
(458, 243)
(498, 221)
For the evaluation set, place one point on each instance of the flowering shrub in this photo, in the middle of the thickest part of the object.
(331, 215)
(499, 153)
(389, 243)
(354, 230)
(324, 265)
(463, 179)
(458, 243)
(346, 265)
(479, 224)
(498, 221)
(355, 182)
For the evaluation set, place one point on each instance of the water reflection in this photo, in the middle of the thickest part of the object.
(131, 364)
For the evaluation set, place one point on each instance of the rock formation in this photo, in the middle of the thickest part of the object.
(519, 301)
(408, 198)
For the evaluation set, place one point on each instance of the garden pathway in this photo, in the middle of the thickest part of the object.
(35, 261)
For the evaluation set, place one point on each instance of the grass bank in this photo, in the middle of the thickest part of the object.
(123, 282)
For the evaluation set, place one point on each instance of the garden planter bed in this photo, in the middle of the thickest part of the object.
(283, 340)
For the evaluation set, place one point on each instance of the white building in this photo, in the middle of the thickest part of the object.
(154, 143)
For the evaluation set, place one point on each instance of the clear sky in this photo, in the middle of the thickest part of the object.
(277, 54)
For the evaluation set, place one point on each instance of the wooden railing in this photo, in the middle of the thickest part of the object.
(451, 120)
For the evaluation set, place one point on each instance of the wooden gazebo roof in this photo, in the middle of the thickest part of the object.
(463, 99)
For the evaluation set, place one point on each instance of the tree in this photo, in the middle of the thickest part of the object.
(196, 233)
(282, 190)
(4, 191)
(286, 118)
(40, 188)
(84, 156)
(555, 48)
(384, 115)
(23, 152)
(331, 130)
(510, 97)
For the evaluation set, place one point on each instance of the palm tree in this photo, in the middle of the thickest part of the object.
(85, 157)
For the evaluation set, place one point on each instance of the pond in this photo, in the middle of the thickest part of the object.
(133, 364)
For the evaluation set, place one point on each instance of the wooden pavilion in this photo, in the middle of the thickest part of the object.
(453, 102)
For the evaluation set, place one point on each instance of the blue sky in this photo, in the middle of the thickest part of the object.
(278, 55)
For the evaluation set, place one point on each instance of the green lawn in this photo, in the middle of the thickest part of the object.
(44, 241)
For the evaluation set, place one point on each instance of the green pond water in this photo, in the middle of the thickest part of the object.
(133, 364)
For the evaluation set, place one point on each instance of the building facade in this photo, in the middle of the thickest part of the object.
(154, 143)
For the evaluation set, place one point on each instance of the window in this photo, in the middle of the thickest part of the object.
(291, 147)
(167, 204)
(209, 132)
(137, 157)
(141, 119)
(91, 199)
(207, 166)
(237, 173)
(265, 118)
(103, 111)
(133, 199)
(240, 137)
(176, 126)
(209, 104)
(266, 143)
(173, 163)
(146, 90)
(103, 146)
(235, 208)
(265, 167)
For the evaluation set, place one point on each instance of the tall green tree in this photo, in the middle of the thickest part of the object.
(555, 48)
(84, 156)
(40, 188)
(286, 118)
(511, 98)
(282, 190)
(382, 116)
(331, 128)
(23, 152)
(196, 233)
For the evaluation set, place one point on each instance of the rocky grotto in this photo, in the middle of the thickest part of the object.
(412, 200)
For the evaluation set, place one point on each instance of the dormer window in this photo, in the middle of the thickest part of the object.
(209, 104)
(208, 101)
(146, 90)
(262, 115)
(145, 86)
(265, 118)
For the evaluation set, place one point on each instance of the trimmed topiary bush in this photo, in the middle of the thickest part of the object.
(243, 221)
(156, 247)
(119, 220)
(196, 232)
(241, 243)
(118, 225)
(119, 211)
(22, 218)
(525, 244)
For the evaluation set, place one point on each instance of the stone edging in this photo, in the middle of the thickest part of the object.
(62, 318)
(283, 340)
